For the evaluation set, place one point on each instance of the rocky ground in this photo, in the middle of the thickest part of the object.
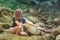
(8, 36)
(47, 28)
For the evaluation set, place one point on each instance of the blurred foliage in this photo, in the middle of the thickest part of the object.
(46, 6)
(13, 4)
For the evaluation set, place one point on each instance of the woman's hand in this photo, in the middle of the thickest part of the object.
(22, 24)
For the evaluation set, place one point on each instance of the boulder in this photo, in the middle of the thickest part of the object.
(33, 19)
(56, 31)
(56, 21)
(6, 18)
(49, 37)
(1, 29)
(6, 26)
(58, 37)
(5, 15)
(40, 24)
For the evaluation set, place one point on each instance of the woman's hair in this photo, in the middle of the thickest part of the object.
(17, 11)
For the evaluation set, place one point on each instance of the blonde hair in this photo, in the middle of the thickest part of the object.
(17, 10)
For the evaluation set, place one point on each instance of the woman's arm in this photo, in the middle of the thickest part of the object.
(17, 23)
(20, 24)
(29, 22)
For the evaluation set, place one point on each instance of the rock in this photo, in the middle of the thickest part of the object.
(40, 24)
(1, 29)
(33, 19)
(48, 37)
(32, 30)
(1, 15)
(58, 37)
(56, 21)
(38, 38)
(6, 19)
(6, 26)
(6, 15)
(6, 9)
(49, 29)
(31, 11)
(56, 31)
(43, 18)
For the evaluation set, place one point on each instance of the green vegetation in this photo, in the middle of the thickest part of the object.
(13, 4)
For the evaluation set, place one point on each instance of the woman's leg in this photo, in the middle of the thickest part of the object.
(18, 30)
(14, 30)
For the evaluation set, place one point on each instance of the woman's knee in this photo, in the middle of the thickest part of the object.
(19, 26)
(10, 29)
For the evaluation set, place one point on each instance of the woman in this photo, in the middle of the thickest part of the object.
(18, 23)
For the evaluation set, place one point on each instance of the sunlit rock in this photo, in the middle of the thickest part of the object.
(57, 21)
(48, 37)
(33, 19)
(56, 31)
(58, 37)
